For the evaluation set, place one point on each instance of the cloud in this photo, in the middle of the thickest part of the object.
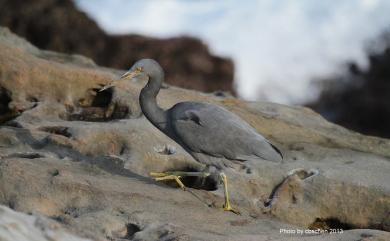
(279, 46)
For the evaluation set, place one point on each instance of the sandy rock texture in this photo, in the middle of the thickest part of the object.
(22, 227)
(81, 158)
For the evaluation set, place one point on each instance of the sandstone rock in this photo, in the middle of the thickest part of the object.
(22, 227)
(82, 158)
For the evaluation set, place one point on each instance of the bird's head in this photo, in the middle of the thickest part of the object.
(147, 68)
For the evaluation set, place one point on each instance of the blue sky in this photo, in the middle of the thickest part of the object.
(279, 46)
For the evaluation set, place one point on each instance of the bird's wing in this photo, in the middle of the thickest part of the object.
(209, 129)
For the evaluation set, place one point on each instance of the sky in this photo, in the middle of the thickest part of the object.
(279, 47)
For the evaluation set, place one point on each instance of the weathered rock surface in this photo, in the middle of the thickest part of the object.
(60, 26)
(82, 159)
(22, 227)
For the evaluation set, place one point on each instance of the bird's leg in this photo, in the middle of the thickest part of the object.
(227, 206)
(172, 177)
(176, 175)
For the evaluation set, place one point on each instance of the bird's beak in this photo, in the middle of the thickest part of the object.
(128, 75)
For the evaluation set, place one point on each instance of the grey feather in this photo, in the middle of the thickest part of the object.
(220, 134)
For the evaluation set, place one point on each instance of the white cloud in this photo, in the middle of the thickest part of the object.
(279, 46)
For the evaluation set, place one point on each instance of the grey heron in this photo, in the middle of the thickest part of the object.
(208, 132)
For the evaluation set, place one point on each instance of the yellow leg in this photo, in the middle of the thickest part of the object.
(227, 206)
(163, 176)
(180, 173)
(176, 175)
(158, 174)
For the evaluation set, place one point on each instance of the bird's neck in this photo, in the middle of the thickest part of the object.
(149, 106)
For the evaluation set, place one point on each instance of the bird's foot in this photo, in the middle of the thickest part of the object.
(161, 176)
(177, 175)
(228, 207)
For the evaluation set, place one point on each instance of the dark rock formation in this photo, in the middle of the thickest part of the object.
(58, 25)
(361, 100)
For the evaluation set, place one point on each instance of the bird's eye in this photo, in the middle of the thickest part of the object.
(139, 69)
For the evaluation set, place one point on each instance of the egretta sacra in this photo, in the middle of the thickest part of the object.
(208, 132)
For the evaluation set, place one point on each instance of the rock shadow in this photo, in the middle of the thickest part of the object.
(6, 114)
(58, 130)
(101, 109)
(110, 164)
